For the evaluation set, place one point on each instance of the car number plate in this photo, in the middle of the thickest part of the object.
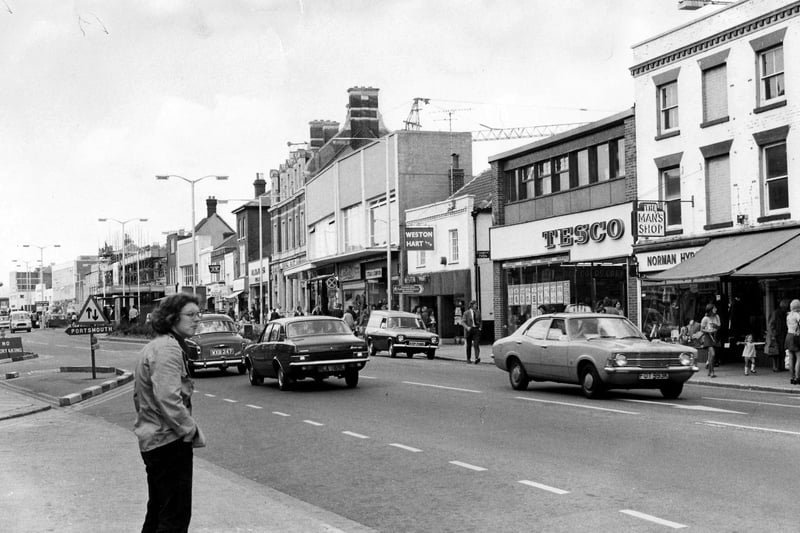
(416, 343)
(221, 351)
(331, 368)
(654, 375)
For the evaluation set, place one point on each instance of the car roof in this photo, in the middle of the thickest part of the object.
(384, 312)
(581, 315)
(215, 316)
(304, 318)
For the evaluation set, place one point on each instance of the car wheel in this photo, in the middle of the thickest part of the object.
(241, 368)
(351, 378)
(517, 376)
(254, 378)
(590, 382)
(430, 354)
(284, 381)
(371, 347)
(672, 391)
(392, 351)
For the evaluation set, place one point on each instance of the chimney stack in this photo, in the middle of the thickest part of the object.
(211, 206)
(362, 115)
(259, 185)
(456, 175)
(320, 132)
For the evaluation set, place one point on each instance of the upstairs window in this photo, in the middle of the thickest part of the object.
(715, 93)
(671, 195)
(541, 172)
(561, 173)
(776, 178)
(668, 107)
(453, 238)
(770, 67)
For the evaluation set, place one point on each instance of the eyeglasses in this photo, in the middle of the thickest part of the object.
(192, 315)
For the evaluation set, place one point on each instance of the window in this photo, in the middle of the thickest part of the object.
(561, 173)
(541, 171)
(671, 194)
(583, 167)
(453, 240)
(718, 190)
(351, 219)
(603, 163)
(770, 66)
(527, 183)
(668, 107)
(776, 177)
(715, 93)
(618, 158)
(421, 259)
(512, 187)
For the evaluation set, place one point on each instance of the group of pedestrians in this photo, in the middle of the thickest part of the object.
(784, 332)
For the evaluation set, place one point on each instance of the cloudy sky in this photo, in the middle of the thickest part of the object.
(97, 97)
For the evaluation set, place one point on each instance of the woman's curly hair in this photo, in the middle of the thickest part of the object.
(168, 312)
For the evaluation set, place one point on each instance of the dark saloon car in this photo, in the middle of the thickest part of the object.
(318, 347)
(594, 350)
(215, 344)
(399, 332)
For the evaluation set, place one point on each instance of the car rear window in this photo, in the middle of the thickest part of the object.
(215, 326)
(307, 328)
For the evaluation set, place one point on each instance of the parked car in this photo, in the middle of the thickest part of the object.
(295, 348)
(5, 321)
(399, 332)
(215, 344)
(595, 350)
(20, 320)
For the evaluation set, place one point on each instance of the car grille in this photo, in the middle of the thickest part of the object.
(653, 361)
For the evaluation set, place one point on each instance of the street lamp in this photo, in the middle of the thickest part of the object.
(122, 223)
(260, 252)
(41, 260)
(384, 140)
(194, 232)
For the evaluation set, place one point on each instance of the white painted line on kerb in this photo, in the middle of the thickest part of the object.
(543, 487)
(406, 448)
(753, 428)
(441, 387)
(211, 395)
(577, 405)
(468, 466)
(229, 400)
(356, 435)
(313, 423)
(686, 407)
(654, 519)
(280, 414)
(253, 406)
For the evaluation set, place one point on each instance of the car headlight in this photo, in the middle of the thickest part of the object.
(619, 359)
(686, 359)
(434, 340)
(401, 338)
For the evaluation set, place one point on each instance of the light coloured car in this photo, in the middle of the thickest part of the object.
(597, 351)
(216, 344)
(20, 320)
(399, 332)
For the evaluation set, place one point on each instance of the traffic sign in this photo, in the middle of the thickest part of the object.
(88, 330)
(91, 314)
(407, 289)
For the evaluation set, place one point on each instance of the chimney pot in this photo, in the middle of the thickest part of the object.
(211, 206)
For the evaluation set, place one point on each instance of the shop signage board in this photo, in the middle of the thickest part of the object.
(418, 239)
(407, 289)
(213, 268)
(664, 259)
(650, 219)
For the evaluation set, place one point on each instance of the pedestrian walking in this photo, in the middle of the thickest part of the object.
(350, 318)
(709, 326)
(457, 314)
(749, 353)
(792, 342)
(471, 321)
(164, 426)
(776, 335)
(133, 315)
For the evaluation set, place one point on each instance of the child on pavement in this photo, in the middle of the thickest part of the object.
(749, 353)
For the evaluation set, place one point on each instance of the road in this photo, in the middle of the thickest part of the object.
(443, 446)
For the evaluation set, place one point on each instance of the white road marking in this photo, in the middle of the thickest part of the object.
(356, 435)
(753, 428)
(753, 401)
(65, 346)
(654, 519)
(543, 487)
(441, 387)
(468, 466)
(211, 395)
(686, 407)
(253, 406)
(280, 414)
(313, 423)
(229, 400)
(577, 405)
(362, 376)
(406, 448)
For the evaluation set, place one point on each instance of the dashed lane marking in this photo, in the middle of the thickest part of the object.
(280, 414)
(229, 400)
(406, 448)
(468, 466)
(356, 435)
(544, 487)
(250, 405)
(773, 404)
(311, 422)
(654, 519)
(211, 395)
(686, 407)
(441, 387)
(752, 428)
(577, 405)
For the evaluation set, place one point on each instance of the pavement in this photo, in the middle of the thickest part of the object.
(62, 470)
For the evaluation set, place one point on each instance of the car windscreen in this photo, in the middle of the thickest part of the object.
(305, 328)
(215, 326)
(405, 322)
(602, 327)
(20, 316)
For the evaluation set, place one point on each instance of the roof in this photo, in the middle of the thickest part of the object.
(481, 186)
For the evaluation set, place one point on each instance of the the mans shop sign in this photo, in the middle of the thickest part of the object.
(418, 239)
(650, 220)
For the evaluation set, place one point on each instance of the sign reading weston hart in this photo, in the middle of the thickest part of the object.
(418, 239)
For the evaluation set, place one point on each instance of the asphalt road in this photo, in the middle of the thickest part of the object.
(443, 446)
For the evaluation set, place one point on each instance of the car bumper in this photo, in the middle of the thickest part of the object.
(644, 377)
(410, 346)
(223, 362)
(327, 367)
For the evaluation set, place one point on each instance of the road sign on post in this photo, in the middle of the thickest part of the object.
(91, 314)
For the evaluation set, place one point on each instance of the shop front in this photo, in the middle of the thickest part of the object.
(573, 262)
(440, 292)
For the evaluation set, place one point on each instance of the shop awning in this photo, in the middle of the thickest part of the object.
(725, 255)
(782, 261)
(233, 295)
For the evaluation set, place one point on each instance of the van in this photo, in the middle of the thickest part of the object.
(20, 320)
(399, 332)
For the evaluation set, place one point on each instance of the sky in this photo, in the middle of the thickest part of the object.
(99, 96)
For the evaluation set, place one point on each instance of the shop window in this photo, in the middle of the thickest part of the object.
(668, 107)
(776, 178)
(453, 240)
(671, 195)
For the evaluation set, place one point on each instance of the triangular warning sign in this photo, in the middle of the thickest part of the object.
(91, 313)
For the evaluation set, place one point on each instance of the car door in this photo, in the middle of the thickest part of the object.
(258, 351)
(531, 344)
(556, 346)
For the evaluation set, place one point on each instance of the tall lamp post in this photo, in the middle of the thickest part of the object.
(385, 140)
(194, 232)
(41, 260)
(122, 223)
(260, 251)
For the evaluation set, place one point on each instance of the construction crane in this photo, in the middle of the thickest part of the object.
(498, 134)
(412, 121)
